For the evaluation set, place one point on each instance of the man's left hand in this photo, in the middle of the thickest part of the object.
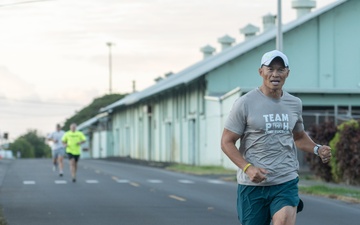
(325, 153)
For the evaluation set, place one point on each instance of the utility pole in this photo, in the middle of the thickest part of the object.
(279, 36)
(110, 44)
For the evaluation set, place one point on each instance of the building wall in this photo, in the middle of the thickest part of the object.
(322, 54)
(168, 127)
(181, 125)
(216, 114)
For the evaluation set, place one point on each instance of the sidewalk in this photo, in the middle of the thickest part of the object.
(4, 166)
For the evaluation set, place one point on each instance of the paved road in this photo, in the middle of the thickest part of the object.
(126, 194)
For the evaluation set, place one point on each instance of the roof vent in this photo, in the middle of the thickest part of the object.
(168, 74)
(158, 79)
(207, 51)
(226, 41)
(269, 21)
(249, 31)
(303, 6)
(134, 86)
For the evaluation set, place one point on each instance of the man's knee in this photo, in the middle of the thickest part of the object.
(285, 216)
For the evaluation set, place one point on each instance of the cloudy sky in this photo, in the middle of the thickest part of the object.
(54, 59)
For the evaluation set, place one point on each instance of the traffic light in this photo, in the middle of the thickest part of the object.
(6, 136)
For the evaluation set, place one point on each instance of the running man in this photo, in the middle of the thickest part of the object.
(58, 149)
(73, 140)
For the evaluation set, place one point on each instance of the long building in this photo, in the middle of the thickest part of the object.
(180, 118)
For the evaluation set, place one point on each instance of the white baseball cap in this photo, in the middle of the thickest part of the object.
(268, 57)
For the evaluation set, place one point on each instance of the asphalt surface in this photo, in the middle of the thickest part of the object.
(114, 192)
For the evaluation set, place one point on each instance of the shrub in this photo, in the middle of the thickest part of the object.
(321, 134)
(346, 160)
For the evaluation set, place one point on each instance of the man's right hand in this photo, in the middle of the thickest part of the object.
(256, 175)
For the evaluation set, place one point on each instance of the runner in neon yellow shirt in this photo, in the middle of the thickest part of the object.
(73, 139)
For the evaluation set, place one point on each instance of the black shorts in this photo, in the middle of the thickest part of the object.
(71, 156)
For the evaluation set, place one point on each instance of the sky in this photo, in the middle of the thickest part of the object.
(54, 57)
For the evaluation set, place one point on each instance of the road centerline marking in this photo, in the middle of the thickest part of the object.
(154, 181)
(216, 181)
(60, 181)
(177, 198)
(92, 181)
(29, 182)
(186, 181)
(122, 181)
(134, 184)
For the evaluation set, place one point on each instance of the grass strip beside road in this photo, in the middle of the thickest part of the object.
(342, 194)
(2, 218)
(201, 170)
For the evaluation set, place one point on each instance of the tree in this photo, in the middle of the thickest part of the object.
(24, 147)
(31, 145)
(38, 142)
(93, 109)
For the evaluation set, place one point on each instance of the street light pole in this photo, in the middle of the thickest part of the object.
(110, 44)
(279, 36)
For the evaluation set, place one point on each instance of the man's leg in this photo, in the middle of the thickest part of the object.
(75, 167)
(73, 163)
(61, 165)
(252, 205)
(285, 216)
(285, 199)
(72, 168)
(54, 158)
(76, 157)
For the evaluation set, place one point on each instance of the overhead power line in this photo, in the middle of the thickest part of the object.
(41, 102)
(31, 114)
(24, 2)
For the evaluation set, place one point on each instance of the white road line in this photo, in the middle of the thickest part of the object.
(177, 198)
(134, 184)
(155, 181)
(186, 181)
(92, 181)
(216, 181)
(122, 181)
(60, 182)
(29, 182)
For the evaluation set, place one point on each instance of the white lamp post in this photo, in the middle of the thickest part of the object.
(110, 44)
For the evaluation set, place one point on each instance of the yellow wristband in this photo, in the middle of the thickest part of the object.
(246, 167)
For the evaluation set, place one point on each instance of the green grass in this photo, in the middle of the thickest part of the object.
(201, 170)
(2, 219)
(343, 194)
(307, 177)
(336, 193)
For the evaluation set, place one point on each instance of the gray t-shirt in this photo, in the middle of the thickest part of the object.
(266, 126)
(56, 136)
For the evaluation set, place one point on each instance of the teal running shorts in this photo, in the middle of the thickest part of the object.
(256, 205)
